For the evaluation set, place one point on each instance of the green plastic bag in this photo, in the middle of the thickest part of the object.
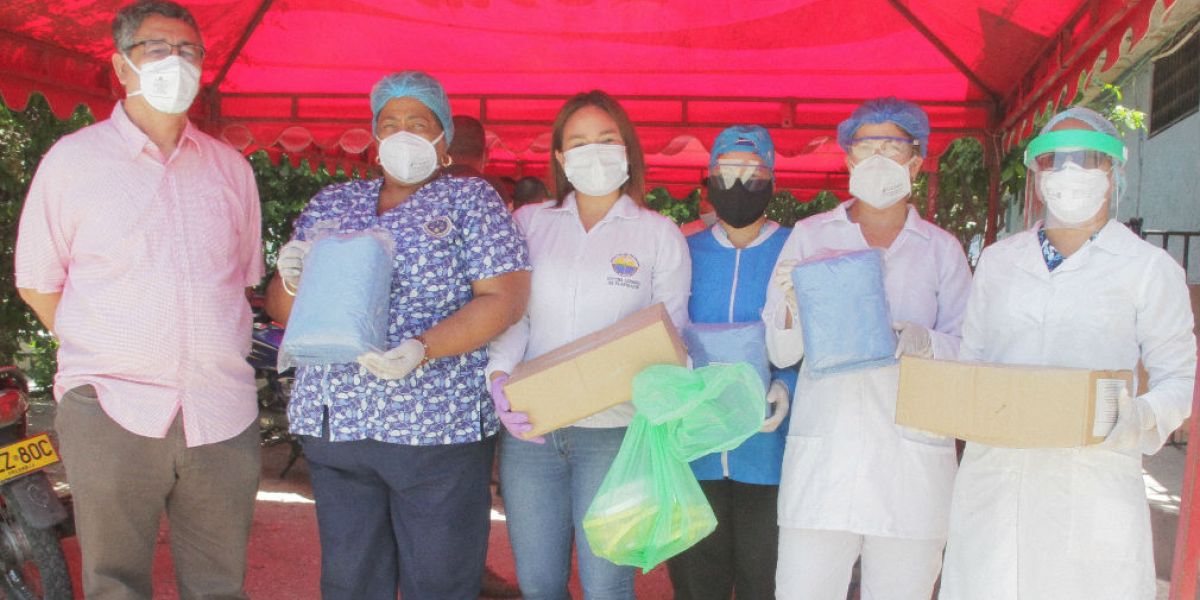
(650, 506)
(705, 410)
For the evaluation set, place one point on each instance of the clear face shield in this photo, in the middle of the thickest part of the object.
(724, 174)
(1072, 178)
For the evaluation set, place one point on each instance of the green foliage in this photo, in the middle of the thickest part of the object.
(283, 191)
(785, 209)
(962, 190)
(681, 210)
(24, 137)
(1109, 104)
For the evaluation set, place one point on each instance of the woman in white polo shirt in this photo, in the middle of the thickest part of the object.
(598, 255)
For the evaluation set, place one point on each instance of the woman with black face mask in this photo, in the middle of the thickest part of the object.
(731, 270)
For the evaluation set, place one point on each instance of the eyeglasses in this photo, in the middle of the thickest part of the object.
(895, 148)
(1088, 159)
(160, 49)
(752, 175)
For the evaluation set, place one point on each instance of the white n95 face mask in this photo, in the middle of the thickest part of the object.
(1072, 193)
(596, 169)
(880, 181)
(168, 85)
(408, 157)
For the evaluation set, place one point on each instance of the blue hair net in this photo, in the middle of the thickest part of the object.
(1097, 122)
(418, 86)
(745, 138)
(1093, 119)
(903, 114)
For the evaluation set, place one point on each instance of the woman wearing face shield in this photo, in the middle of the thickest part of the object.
(400, 443)
(854, 483)
(1078, 289)
(598, 255)
(731, 267)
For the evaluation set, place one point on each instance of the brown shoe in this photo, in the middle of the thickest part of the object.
(495, 586)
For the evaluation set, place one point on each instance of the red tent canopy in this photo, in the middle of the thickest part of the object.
(293, 75)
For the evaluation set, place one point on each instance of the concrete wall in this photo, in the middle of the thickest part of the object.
(1163, 174)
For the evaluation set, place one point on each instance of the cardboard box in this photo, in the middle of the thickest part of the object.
(595, 372)
(1008, 405)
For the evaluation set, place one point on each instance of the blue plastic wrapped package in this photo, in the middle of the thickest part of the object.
(341, 307)
(844, 312)
(729, 343)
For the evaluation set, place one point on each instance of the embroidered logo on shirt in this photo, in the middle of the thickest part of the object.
(438, 227)
(625, 266)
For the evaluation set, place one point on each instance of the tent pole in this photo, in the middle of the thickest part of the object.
(931, 191)
(943, 49)
(241, 43)
(1045, 87)
(1187, 534)
(214, 89)
(991, 158)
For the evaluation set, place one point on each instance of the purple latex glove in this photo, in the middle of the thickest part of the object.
(517, 423)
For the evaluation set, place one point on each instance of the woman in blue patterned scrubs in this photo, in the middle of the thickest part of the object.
(400, 443)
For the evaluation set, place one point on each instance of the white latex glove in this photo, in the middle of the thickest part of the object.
(777, 395)
(291, 263)
(914, 340)
(1135, 419)
(782, 278)
(394, 363)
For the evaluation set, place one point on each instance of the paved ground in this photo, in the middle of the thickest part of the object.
(284, 557)
(1163, 474)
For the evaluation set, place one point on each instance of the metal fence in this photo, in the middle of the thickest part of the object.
(1179, 244)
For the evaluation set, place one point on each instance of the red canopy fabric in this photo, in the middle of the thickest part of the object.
(293, 75)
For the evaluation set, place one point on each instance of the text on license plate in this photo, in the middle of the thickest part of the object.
(26, 456)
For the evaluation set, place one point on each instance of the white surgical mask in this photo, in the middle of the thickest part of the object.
(168, 85)
(880, 181)
(596, 169)
(408, 157)
(1073, 194)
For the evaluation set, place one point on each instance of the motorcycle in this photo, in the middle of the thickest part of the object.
(274, 387)
(32, 565)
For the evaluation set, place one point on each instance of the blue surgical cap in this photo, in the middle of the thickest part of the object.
(903, 114)
(418, 86)
(745, 138)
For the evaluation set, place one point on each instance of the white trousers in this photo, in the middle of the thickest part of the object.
(816, 564)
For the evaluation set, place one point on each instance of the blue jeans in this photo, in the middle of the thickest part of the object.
(547, 489)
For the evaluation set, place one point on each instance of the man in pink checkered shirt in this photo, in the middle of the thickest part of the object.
(136, 243)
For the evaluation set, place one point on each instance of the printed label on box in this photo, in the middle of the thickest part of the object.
(1108, 391)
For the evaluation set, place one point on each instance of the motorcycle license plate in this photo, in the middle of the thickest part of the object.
(26, 456)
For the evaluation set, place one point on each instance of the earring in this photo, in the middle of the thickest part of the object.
(449, 161)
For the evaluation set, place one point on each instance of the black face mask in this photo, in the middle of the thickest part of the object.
(738, 206)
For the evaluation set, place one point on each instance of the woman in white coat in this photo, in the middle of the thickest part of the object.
(1076, 290)
(855, 483)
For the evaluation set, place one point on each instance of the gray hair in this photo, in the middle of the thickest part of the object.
(130, 18)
